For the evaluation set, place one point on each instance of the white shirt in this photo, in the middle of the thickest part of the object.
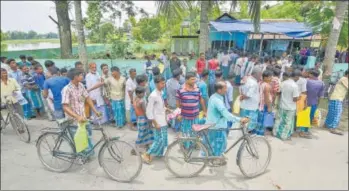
(246, 70)
(156, 108)
(184, 69)
(225, 60)
(130, 86)
(6, 67)
(251, 90)
(96, 94)
(302, 85)
(164, 60)
(289, 90)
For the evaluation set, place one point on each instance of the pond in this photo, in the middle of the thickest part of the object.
(31, 46)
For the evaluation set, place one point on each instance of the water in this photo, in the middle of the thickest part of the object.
(32, 46)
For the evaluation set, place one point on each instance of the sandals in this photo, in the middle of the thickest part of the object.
(301, 134)
(336, 132)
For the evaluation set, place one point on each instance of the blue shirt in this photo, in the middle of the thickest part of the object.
(56, 85)
(218, 114)
(39, 80)
(203, 89)
(16, 75)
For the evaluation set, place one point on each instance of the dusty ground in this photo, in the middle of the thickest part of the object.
(320, 163)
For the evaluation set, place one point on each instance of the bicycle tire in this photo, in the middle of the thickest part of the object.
(108, 146)
(18, 124)
(171, 148)
(241, 152)
(39, 152)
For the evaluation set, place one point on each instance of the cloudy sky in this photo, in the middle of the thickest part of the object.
(33, 15)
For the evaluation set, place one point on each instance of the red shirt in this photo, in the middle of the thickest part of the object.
(213, 64)
(200, 66)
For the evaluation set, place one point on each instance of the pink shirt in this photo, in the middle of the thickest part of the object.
(75, 97)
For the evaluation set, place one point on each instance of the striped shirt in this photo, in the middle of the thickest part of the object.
(189, 100)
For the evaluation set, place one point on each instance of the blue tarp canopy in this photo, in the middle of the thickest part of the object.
(291, 29)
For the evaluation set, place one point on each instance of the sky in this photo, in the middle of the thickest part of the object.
(33, 15)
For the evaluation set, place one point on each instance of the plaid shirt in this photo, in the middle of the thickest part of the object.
(75, 97)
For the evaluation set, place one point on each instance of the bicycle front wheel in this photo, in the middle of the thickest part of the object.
(59, 159)
(119, 160)
(254, 156)
(20, 127)
(186, 162)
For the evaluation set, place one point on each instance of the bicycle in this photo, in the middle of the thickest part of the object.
(197, 155)
(17, 122)
(63, 149)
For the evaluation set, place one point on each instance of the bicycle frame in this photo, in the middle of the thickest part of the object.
(10, 109)
(245, 136)
(66, 131)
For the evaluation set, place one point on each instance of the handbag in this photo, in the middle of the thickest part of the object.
(236, 106)
(303, 118)
(268, 119)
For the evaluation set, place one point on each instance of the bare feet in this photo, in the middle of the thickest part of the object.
(146, 158)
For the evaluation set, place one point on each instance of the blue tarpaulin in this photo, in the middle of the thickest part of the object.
(292, 29)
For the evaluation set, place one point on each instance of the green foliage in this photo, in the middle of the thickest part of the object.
(105, 30)
(288, 9)
(119, 45)
(149, 29)
(14, 35)
(320, 17)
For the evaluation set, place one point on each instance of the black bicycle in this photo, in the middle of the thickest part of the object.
(186, 157)
(117, 157)
(16, 120)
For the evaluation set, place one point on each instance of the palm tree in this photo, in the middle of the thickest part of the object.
(81, 35)
(331, 46)
(175, 8)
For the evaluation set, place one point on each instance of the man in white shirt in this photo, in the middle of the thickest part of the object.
(284, 125)
(94, 85)
(4, 64)
(225, 64)
(156, 113)
(249, 96)
(240, 62)
(129, 92)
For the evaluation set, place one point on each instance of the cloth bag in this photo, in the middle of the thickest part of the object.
(303, 118)
(236, 105)
(81, 137)
(268, 119)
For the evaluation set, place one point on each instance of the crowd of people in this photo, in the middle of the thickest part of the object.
(273, 92)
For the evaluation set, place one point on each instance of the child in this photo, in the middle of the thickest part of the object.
(64, 72)
(32, 92)
(145, 134)
(203, 86)
(39, 76)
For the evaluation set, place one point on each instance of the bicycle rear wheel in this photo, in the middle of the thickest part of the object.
(258, 151)
(20, 127)
(118, 160)
(179, 160)
(59, 160)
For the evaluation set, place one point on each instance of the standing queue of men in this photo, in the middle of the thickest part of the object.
(143, 101)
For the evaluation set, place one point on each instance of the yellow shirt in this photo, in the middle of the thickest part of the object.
(340, 90)
(117, 87)
(8, 89)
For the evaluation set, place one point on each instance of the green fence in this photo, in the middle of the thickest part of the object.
(52, 52)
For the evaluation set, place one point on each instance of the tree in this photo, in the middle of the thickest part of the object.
(175, 9)
(340, 11)
(149, 29)
(81, 35)
(32, 34)
(105, 30)
(63, 23)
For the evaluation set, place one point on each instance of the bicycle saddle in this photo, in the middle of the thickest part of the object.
(197, 127)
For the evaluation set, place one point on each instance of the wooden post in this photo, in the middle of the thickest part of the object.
(261, 45)
(221, 39)
(229, 40)
(291, 49)
(248, 42)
